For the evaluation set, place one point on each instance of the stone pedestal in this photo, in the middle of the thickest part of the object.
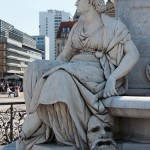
(120, 146)
(133, 146)
(131, 117)
(11, 146)
(53, 147)
(136, 16)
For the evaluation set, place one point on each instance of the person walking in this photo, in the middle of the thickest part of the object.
(9, 91)
(17, 90)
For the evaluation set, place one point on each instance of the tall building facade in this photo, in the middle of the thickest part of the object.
(49, 23)
(42, 43)
(17, 49)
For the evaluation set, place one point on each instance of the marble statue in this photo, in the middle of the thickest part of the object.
(64, 98)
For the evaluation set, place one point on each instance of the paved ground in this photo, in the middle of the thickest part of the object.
(4, 98)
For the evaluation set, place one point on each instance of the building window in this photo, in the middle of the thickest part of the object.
(68, 30)
(3, 46)
(39, 38)
(58, 17)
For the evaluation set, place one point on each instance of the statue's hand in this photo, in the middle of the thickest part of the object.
(109, 89)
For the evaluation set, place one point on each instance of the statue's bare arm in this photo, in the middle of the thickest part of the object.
(129, 60)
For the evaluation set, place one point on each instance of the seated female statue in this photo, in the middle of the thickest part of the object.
(64, 98)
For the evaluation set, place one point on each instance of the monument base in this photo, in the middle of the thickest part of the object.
(131, 117)
(132, 146)
(120, 146)
(53, 147)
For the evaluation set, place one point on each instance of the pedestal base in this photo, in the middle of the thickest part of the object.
(131, 117)
(132, 146)
(53, 147)
(120, 146)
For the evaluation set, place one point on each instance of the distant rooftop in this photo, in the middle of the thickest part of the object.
(68, 24)
(9, 31)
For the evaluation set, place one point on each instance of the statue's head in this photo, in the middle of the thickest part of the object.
(99, 5)
(99, 135)
(83, 6)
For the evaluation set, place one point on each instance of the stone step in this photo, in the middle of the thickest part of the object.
(121, 146)
(11, 146)
(53, 147)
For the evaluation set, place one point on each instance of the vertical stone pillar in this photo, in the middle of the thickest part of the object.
(136, 16)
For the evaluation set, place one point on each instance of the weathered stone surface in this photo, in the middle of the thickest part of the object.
(131, 117)
(129, 106)
(136, 15)
(133, 146)
(120, 146)
(11, 146)
(53, 147)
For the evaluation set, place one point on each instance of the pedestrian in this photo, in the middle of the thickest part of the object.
(17, 90)
(9, 91)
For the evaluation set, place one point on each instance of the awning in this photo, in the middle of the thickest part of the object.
(16, 77)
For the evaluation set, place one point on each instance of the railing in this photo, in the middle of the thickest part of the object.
(11, 119)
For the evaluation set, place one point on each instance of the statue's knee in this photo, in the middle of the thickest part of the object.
(31, 124)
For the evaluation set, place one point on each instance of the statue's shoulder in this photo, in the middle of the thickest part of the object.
(113, 22)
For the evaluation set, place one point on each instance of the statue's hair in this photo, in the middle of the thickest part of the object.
(99, 5)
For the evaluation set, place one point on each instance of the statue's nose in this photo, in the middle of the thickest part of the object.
(102, 134)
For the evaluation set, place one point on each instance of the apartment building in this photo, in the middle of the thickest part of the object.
(49, 23)
(17, 49)
(42, 43)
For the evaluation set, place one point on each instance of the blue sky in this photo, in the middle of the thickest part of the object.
(24, 14)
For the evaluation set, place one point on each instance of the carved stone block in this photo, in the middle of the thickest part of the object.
(53, 147)
(136, 15)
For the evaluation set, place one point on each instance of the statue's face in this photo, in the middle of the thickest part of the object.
(100, 135)
(82, 6)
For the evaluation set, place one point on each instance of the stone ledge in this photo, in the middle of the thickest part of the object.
(53, 147)
(132, 146)
(120, 146)
(11, 146)
(129, 106)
